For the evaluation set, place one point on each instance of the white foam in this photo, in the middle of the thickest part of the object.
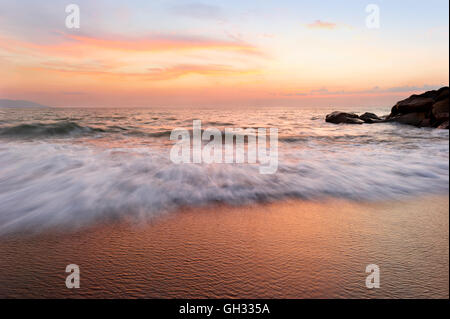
(45, 184)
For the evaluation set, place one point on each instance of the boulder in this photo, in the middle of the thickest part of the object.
(442, 93)
(440, 110)
(425, 123)
(413, 104)
(370, 118)
(430, 109)
(436, 95)
(416, 119)
(343, 117)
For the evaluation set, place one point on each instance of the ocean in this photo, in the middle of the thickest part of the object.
(97, 188)
(72, 167)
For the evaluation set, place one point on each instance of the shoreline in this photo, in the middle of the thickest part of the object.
(287, 249)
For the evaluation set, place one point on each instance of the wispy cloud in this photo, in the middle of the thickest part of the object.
(71, 44)
(186, 69)
(375, 90)
(318, 24)
(163, 43)
(111, 59)
(412, 88)
(149, 74)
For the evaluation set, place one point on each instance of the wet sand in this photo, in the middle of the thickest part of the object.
(291, 249)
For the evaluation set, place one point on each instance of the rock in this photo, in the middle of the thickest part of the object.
(430, 109)
(444, 125)
(416, 119)
(413, 104)
(425, 123)
(436, 95)
(343, 117)
(440, 110)
(370, 118)
(355, 121)
(443, 93)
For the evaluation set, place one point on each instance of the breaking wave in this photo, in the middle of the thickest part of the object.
(44, 185)
(47, 129)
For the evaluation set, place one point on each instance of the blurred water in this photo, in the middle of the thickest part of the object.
(71, 167)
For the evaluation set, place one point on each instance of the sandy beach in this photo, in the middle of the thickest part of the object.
(290, 249)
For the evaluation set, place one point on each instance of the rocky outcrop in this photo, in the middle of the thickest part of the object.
(352, 118)
(440, 110)
(343, 117)
(430, 109)
(412, 104)
(415, 118)
(370, 118)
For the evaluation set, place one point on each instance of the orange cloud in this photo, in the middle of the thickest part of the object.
(106, 62)
(185, 69)
(152, 74)
(322, 25)
(76, 45)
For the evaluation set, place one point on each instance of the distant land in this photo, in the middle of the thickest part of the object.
(19, 103)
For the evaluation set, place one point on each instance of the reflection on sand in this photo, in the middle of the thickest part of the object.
(283, 250)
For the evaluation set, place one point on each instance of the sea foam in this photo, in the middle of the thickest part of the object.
(50, 184)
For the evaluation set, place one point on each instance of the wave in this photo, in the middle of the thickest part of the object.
(217, 123)
(47, 129)
(72, 129)
(66, 185)
(162, 133)
(166, 133)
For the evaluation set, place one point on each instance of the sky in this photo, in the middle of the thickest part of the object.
(139, 53)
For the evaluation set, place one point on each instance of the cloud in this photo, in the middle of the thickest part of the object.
(198, 11)
(116, 58)
(75, 45)
(162, 43)
(318, 24)
(186, 69)
(320, 91)
(375, 90)
(408, 88)
(149, 74)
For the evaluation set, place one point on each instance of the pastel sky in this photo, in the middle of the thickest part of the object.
(218, 53)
